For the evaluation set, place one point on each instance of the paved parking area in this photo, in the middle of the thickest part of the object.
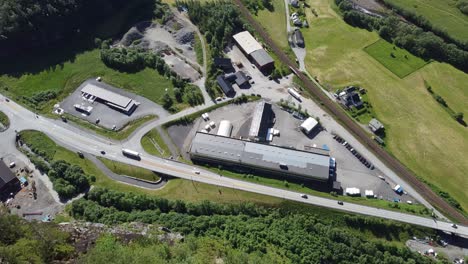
(110, 117)
(260, 81)
(350, 171)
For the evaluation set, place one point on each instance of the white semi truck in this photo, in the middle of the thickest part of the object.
(131, 154)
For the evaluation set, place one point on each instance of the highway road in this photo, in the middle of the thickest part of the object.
(70, 137)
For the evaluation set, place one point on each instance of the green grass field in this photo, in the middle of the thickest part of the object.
(149, 147)
(64, 78)
(275, 23)
(443, 14)
(129, 170)
(4, 120)
(174, 189)
(123, 133)
(418, 131)
(399, 61)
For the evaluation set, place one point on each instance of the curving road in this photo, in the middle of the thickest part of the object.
(69, 137)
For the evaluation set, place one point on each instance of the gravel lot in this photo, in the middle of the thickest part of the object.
(108, 116)
(24, 201)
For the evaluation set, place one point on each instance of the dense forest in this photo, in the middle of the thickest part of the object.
(28, 24)
(462, 5)
(31, 242)
(298, 237)
(424, 44)
(218, 21)
(425, 24)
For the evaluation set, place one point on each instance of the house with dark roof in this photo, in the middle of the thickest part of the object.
(298, 38)
(349, 98)
(225, 86)
(223, 63)
(8, 180)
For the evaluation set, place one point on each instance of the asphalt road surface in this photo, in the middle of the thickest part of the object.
(69, 137)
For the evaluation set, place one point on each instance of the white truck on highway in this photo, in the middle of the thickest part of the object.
(131, 154)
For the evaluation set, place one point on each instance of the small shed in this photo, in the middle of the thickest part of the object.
(308, 125)
(375, 125)
(241, 78)
(225, 128)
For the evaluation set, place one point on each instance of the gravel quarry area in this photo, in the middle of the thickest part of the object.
(174, 40)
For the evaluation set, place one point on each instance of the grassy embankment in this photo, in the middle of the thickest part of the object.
(440, 13)
(120, 134)
(296, 186)
(160, 150)
(63, 78)
(419, 132)
(129, 170)
(4, 121)
(175, 188)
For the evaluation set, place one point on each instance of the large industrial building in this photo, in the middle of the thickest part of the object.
(250, 46)
(94, 91)
(261, 121)
(260, 157)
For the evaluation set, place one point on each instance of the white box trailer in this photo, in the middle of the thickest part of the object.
(131, 154)
(295, 94)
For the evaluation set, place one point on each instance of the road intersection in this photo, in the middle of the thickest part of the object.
(76, 139)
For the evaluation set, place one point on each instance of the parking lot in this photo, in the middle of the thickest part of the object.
(107, 116)
(351, 172)
(259, 82)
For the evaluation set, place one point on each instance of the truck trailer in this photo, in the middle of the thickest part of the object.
(131, 154)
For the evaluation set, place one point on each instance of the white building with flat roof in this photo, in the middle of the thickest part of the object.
(308, 125)
(112, 99)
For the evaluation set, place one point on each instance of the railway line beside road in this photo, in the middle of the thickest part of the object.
(354, 128)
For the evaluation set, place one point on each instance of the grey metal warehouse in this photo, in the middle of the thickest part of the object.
(250, 46)
(112, 99)
(261, 121)
(264, 158)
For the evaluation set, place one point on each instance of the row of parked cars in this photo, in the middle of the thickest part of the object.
(355, 153)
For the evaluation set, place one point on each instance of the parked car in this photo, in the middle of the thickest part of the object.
(80, 154)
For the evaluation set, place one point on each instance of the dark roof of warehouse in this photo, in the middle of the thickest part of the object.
(261, 57)
(261, 156)
(225, 86)
(6, 175)
(223, 62)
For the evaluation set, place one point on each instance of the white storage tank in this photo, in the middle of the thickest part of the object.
(225, 128)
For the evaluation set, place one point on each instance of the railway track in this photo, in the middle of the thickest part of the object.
(334, 109)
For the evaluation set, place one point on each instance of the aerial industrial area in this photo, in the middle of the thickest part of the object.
(172, 113)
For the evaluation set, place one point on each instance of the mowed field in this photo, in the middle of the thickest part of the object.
(65, 77)
(275, 23)
(399, 61)
(419, 132)
(443, 14)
